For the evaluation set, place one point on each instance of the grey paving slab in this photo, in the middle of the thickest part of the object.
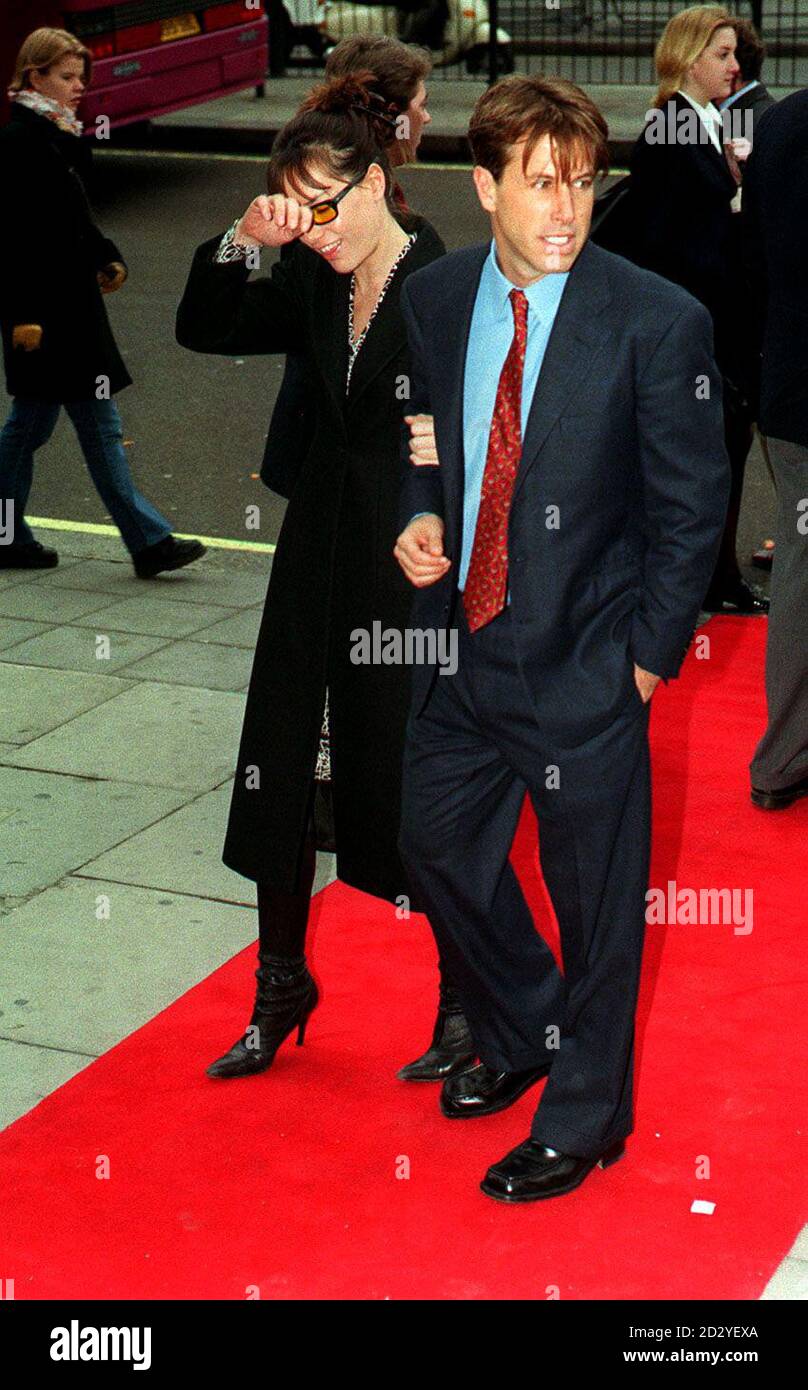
(33, 700)
(76, 649)
(240, 630)
(210, 583)
(151, 615)
(52, 824)
(28, 1074)
(116, 577)
(184, 850)
(84, 983)
(195, 663)
(800, 1248)
(15, 630)
(203, 583)
(9, 578)
(155, 735)
(789, 1283)
(48, 603)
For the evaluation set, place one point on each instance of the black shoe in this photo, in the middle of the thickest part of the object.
(167, 554)
(532, 1171)
(483, 1091)
(452, 1048)
(779, 800)
(27, 555)
(284, 1001)
(736, 596)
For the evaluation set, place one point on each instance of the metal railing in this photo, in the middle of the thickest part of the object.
(589, 41)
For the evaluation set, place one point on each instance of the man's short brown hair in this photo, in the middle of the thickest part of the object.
(527, 108)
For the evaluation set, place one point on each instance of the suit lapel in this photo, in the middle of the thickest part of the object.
(451, 338)
(576, 341)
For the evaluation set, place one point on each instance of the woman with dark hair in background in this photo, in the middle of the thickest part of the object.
(679, 221)
(55, 268)
(303, 780)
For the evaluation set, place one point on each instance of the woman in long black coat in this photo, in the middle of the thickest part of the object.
(335, 299)
(678, 220)
(59, 350)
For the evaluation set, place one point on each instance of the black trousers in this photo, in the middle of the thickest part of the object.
(470, 757)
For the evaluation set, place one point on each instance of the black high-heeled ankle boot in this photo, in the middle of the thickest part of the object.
(452, 1048)
(285, 999)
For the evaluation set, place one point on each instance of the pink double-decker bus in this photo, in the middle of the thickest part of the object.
(151, 56)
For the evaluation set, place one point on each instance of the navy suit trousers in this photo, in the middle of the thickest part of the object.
(470, 757)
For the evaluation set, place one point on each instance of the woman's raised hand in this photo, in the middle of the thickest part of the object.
(273, 220)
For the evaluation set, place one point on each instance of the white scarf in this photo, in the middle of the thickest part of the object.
(62, 116)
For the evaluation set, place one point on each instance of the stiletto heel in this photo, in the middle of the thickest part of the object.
(281, 1006)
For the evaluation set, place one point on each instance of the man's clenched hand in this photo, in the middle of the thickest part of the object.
(419, 551)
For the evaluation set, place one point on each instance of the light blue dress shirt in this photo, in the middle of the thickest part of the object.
(490, 338)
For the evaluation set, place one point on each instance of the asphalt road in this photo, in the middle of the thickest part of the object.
(197, 424)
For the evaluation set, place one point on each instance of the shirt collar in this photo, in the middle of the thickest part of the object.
(746, 88)
(710, 114)
(543, 296)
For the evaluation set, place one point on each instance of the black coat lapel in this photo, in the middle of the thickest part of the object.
(329, 316)
(387, 334)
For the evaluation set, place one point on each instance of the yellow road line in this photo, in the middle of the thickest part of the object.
(98, 528)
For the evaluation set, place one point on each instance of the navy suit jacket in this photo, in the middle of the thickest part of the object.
(620, 444)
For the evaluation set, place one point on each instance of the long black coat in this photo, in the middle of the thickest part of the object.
(50, 253)
(333, 570)
(677, 220)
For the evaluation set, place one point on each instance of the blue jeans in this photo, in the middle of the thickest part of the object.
(98, 426)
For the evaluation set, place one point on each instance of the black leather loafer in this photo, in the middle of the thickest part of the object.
(167, 554)
(27, 555)
(533, 1171)
(779, 800)
(737, 597)
(483, 1091)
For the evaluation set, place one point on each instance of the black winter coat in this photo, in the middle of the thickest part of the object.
(50, 253)
(333, 570)
(677, 220)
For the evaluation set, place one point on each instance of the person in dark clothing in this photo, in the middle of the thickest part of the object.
(679, 220)
(774, 218)
(399, 77)
(304, 780)
(57, 342)
(747, 104)
(749, 92)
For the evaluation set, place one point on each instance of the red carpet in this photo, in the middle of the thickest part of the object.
(289, 1181)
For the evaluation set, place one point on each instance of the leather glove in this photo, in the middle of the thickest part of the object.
(112, 277)
(27, 336)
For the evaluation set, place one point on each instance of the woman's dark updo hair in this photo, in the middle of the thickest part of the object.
(343, 124)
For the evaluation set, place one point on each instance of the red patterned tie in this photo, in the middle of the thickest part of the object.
(487, 579)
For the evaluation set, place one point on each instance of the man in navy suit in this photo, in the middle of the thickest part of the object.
(568, 532)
